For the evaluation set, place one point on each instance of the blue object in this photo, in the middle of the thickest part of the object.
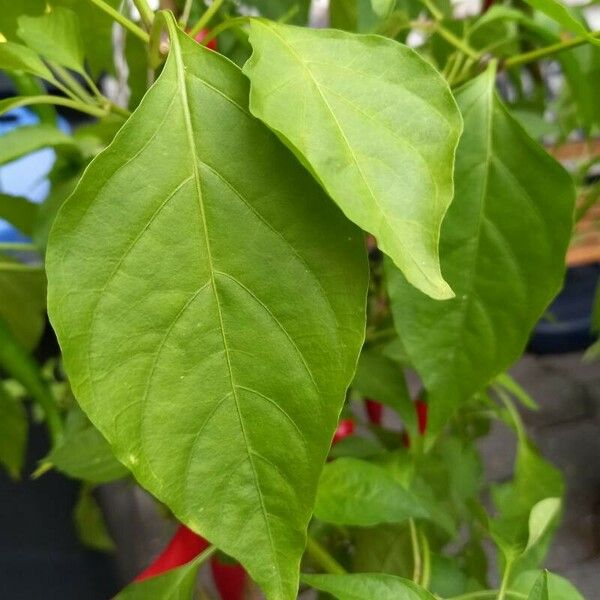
(568, 325)
(28, 175)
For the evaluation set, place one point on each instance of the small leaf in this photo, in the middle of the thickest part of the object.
(175, 584)
(367, 586)
(23, 140)
(558, 587)
(374, 122)
(380, 378)
(504, 270)
(16, 57)
(86, 455)
(179, 337)
(56, 36)
(539, 591)
(89, 522)
(19, 212)
(542, 516)
(13, 433)
(357, 492)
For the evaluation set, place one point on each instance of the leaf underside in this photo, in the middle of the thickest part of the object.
(210, 303)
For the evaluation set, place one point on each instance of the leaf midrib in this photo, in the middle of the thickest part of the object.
(182, 89)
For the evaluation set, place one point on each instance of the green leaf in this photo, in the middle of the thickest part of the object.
(89, 522)
(367, 586)
(16, 57)
(357, 492)
(179, 337)
(86, 455)
(557, 11)
(558, 587)
(13, 433)
(22, 300)
(504, 270)
(539, 591)
(382, 549)
(23, 140)
(56, 36)
(542, 516)
(380, 378)
(175, 584)
(19, 212)
(374, 122)
(11, 11)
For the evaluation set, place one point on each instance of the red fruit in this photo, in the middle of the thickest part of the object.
(421, 407)
(344, 429)
(184, 546)
(229, 579)
(374, 411)
(202, 34)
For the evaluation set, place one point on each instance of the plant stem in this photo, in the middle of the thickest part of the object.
(205, 18)
(60, 101)
(23, 246)
(221, 27)
(323, 558)
(414, 540)
(437, 14)
(185, 14)
(426, 575)
(124, 21)
(457, 42)
(204, 556)
(72, 83)
(145, 11)
(539, 53)
(505, 577)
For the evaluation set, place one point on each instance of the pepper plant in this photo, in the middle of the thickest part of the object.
(253, 239)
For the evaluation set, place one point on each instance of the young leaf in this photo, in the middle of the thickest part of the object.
(56, 36)
(89, 522)
(19, 212)
(16, 57)
(86, 455)
(175, 584)
(380, 378)
(357, 492)
(542, 516)
(179, 336)
(13, 433)
(558, 587)
(374, 122)
(503, 246)
(367, 586)
(539, 591)
(23, 140)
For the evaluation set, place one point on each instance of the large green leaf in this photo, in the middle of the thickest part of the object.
(368, 586)
(503, 246)
(375, 123)
(56, 36)
(210, 303)
(357, 492)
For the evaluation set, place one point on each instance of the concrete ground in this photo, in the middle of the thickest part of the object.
(567, 432)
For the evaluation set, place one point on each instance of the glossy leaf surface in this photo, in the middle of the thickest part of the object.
(374, 122)
(503, 246)
(212, 340)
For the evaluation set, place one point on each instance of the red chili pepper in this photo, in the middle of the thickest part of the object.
(183, 547)
(212, 44)
(344, 429)
(421, 410)
(229, 579)
(374, 411)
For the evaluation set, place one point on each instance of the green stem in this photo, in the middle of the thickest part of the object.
(93, 86)
(72, 83)
(505, 577)
(26, 246)
(124, 21)
(185, 14)
(59, 101)
(457, 42)
(204, 20)
(323, 558)
(224, 26)
(414, 540)
(20, 267)
(437, 14)
(145, 11)
(539, 53)
(426, 575)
